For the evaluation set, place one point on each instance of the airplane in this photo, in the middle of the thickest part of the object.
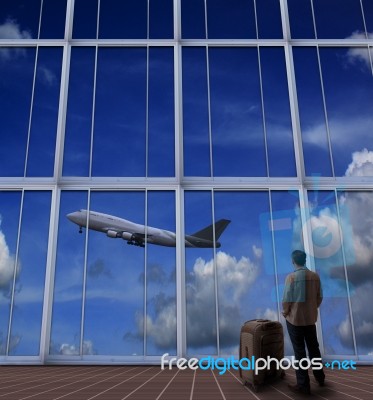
(137, 234)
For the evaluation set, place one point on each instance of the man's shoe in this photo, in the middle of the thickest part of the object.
(299, 389)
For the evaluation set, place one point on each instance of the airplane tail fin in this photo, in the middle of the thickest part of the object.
(208, 233)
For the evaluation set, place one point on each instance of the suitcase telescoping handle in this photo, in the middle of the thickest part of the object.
(266, 323)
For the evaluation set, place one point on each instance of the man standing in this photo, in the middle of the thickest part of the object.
(302, 297)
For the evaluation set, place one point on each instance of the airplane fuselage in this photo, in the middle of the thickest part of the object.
(137, 234)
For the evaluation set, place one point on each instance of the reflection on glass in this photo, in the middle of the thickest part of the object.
(357, 231)
(328, 256)
(195, 113)
(161, 129)
(29, 289)
(277, 112)
(161, 19)
(161, 279)
(16, 77)
(123, 19)
(79, 112)
(236, 113)
(201, 324)
(337, 19)
(19, 19)
(68, 281)
(311, 110)
(53, 19)
(269, 19)
(10, 203)
(246, 289)
(85, 19)
(347, 75)
(230, 19)
(284, 225)
(193, 19)
(42, 144)
(115, 281)
(301, 19)
(120, 114)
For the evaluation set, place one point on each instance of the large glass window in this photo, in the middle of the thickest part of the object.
(23, 257)
(345, 74)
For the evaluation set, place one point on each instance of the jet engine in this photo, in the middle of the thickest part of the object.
(112, 234)
(127, 236)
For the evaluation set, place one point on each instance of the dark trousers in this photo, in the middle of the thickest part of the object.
(301, 336)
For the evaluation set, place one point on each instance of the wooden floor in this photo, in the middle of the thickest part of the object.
(151, 382)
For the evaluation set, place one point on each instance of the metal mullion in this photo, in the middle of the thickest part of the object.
(263, 110)
(84, 286)
(145, 325)
(178, 110)
(98, 18)
(274, 252)
(62, 113)
(69, 19)
(364, 22)
(148, 20)
(49, 275)
(305, 214)
(147, 115)
(31, 111)
(256, 21)
(180, 275)
(93, 114)
(40, 17)
(206, 26)
(345, 273)
(209, 112)
(15, 275)
(215, 264)
(314, 20)
(325, 112)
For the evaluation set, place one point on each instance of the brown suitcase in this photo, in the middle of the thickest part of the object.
(261, 338)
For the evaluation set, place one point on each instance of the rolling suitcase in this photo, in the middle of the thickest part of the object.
(261, 338)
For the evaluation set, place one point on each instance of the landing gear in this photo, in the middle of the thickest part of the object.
(80, 229)
(135, 241)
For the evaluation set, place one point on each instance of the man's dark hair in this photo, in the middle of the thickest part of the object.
(299, 257)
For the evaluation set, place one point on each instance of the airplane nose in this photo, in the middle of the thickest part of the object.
(73, 217)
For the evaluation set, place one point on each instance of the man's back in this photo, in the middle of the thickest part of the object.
(302, 297)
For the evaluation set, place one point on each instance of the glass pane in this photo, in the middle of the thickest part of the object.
(40, 161)
(347, 75)
(277, 112)
(195, 113)
(236, 113)
(161, 19)
(311, 110)
(119, 132)
(193, 19)
(10, 203)
(338, 19)
(68, 281)
(246, 290)
(29, 290)
(16, 78)
(284, 225)
(123, 19)
(201, 321)
(161, 140)
(368, 16)
(19, 19)
(269, 19)
(115, 284)
(85, 19)
(357, 233)
(53, 19)
(301, 20)
(161, 278)
(230, 19)
(327, 254)
(79, 112)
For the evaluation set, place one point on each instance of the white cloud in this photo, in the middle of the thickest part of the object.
(70, 349)
(258, 252)
(48, 77)
(10, 29)
(357, 55)
(362, 164)
(7, 263)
